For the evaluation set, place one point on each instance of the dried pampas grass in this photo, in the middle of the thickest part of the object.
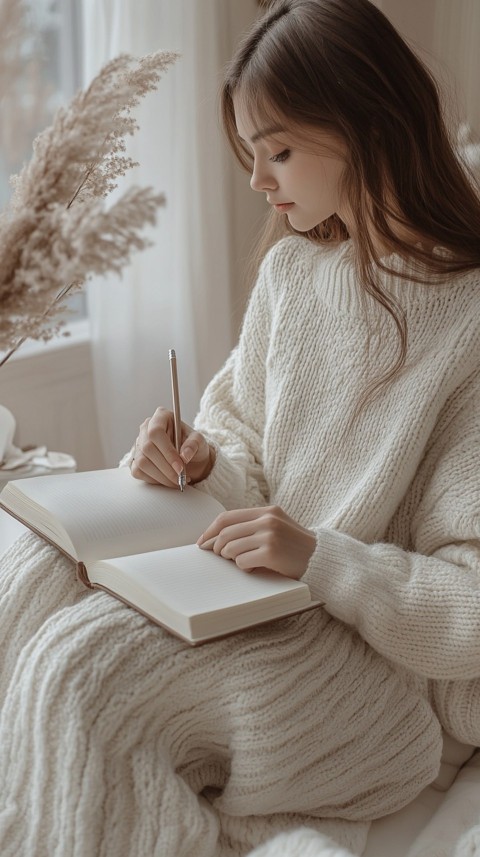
(57, 231)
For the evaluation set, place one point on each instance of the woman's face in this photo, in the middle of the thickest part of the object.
(299, 178)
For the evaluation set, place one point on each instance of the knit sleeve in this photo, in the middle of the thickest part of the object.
(237, 479)
(457, 706)
(232, 409)
(420, 609)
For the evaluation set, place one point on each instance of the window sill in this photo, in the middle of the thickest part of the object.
(74, 333)
(49, 388)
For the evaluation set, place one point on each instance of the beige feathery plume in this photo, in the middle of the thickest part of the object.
(57, 231)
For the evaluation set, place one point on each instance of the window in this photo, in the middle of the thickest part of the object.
(56, 45)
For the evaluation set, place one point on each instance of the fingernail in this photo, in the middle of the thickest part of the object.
(187, 455)
(208, 545)
(178, 468)
(200, 540)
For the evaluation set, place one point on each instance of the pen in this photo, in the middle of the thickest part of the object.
(177, 422)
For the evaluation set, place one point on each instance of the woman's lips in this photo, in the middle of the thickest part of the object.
(283, 206)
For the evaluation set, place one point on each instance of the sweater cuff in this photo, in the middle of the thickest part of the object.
(330, 574)
(220, 479)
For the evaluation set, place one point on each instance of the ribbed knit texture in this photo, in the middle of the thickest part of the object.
(117, 738)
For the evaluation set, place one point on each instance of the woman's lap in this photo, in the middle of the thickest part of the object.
(110, 724)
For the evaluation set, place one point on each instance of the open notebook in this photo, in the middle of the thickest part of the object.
(137, 541)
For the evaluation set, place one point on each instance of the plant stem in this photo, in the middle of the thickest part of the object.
(88, 173)
(44, 314)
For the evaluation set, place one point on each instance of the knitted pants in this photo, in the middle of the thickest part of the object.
(118, 738)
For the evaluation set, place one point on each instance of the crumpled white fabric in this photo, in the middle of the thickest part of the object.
(31, 462)
(303, 842)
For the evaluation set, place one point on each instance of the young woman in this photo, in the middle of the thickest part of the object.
(342, 436)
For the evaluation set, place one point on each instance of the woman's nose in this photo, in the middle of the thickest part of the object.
(262, 180)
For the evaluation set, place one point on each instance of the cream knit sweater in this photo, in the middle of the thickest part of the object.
(396, 509)
(118, 738)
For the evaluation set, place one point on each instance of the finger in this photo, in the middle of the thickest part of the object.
(142, 469)
(245, 553)
(147, 479)
(208, 545)
(227, 546)
(259, 568)
(227, 519)
(238, 547)
(156, 455)
(253, 560)
(194, 444)
(230, 536)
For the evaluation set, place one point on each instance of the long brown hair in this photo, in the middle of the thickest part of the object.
(340, 65)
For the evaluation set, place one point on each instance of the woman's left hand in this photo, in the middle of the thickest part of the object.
(264, 537)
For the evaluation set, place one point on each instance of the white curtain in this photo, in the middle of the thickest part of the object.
(446, 33)
(456, 41)
(177, 294)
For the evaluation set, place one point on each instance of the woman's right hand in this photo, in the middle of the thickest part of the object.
(156, 460)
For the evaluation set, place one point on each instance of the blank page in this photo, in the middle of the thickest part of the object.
(109, 513)
(193, 583)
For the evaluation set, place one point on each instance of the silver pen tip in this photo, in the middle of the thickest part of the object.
(171, 353)
(182, 481)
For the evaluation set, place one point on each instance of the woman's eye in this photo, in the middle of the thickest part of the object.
(282, 156)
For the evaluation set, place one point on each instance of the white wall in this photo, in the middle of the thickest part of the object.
(50, 393)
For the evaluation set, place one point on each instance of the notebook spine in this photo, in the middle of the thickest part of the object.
(83, 576)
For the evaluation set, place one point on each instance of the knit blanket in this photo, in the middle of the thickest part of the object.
(118, 738)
